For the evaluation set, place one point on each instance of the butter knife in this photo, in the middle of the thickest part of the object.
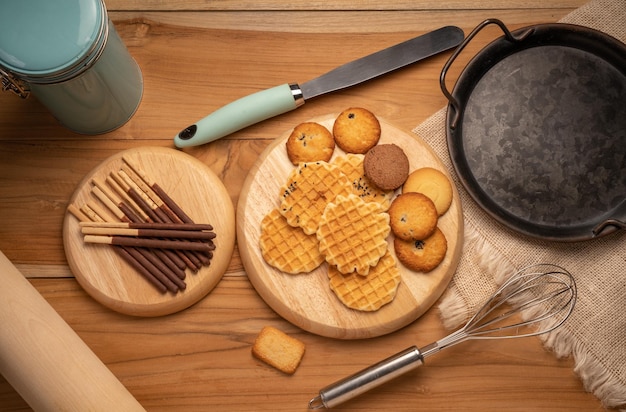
(277, 100)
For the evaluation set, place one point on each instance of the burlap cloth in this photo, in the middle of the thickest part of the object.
(595, 335)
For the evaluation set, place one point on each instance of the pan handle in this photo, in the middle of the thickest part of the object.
(442, 79)
(609, 222)
(615, 221)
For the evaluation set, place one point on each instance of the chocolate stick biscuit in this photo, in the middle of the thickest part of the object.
(139, 179)
(165, 214)
(121, 251)
(167, 200)
(112, 181)
(171, 286)
(191, 261)
(159, 196)
(149, 243)
(132, 261)
(164, 233)
(143, 257)
(150, 225)
(108, 198)
(156, 214)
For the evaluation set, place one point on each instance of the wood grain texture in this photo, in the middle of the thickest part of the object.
(306, 299)
(200, 359)
(196, 56)
(340, 5)
(201, 195)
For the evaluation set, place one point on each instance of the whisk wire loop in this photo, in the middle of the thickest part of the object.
(535, 300)
(542, 298)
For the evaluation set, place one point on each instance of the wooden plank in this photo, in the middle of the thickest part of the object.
(200, 360)
(190, 71)
(339, 5)
(44, 271)
(357, 21)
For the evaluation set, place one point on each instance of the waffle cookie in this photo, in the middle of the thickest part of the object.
(367, 293)
(288, 248)
(310, 187)
(352, 234)
(352, 166)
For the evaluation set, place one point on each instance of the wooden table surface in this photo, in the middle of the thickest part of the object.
(195, 57)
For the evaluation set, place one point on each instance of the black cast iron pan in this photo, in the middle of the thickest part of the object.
(536, 129)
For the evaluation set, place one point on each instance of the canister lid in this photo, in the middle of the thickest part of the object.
(40, 37)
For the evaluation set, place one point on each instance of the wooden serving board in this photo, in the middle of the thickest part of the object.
(306, 299)
(201, 195)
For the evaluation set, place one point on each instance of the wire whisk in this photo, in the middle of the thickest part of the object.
(535, 300)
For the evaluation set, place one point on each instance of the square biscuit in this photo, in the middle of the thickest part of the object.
(278, 349)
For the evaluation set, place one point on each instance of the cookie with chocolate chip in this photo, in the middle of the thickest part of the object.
(413, 216)
(356, 130)
(422, 255)
(310, 142)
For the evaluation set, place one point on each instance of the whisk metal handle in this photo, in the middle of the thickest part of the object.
(369, 378)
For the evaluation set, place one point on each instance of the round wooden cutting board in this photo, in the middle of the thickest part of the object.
(306, 299)
(200, 194)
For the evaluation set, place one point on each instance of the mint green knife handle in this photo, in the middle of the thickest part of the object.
(240, 114)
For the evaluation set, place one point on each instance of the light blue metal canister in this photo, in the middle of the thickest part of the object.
(69, 56)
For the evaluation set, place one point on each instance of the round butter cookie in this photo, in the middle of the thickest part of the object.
(413, 216)
(386, 166)
(422, 255)
(310, 142)
(356, 130)
(432, 183)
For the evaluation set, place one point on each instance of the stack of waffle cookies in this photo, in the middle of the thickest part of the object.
(322, 218)
(330, 212)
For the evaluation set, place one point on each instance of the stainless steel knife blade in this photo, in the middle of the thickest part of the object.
(383, 61)
(277, 100)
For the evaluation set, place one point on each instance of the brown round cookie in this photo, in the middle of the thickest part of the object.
(434, 184)
(412, 216)
(310, 142)
(387, 166)
(356, 130)
(422, 255)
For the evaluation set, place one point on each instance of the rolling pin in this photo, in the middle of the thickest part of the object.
(46, 362)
